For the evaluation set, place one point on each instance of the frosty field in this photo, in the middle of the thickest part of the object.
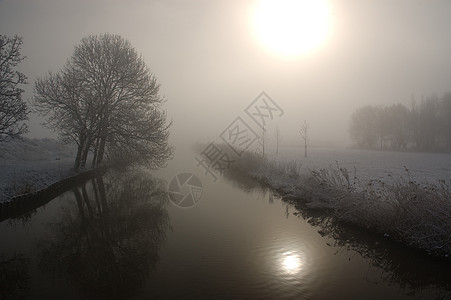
(370, 165)
(32, 164)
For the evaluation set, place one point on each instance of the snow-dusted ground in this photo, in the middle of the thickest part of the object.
(32, 164)
(369, 165)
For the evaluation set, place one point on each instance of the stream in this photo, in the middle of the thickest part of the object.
(120, 236)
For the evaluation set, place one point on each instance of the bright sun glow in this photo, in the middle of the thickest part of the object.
(292, 27)
(291, 263)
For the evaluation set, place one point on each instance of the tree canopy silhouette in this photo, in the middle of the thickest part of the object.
(106, 100)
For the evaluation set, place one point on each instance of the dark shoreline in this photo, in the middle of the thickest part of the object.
(19, 205)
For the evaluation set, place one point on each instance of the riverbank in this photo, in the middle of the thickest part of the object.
(29, 165)
(23, 204)
(417, 215)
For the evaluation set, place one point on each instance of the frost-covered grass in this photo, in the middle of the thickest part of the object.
(384, 165)
(28, 165)
(417, 214)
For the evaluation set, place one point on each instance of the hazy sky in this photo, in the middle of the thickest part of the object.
(211, 65)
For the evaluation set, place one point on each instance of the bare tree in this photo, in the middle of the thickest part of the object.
(364, 129)
(111, 103)
(13, 110)
(277, 139)
(446, 119)
(428, 120)
(382, 123)
(398, 123)
(303, 132)
(424, 127)
(69, 108)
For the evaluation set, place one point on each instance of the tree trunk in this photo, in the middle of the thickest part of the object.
(77, 158)
(84, 157)
(96, 150)
(101, 151)
(81, 145)
(102, 141)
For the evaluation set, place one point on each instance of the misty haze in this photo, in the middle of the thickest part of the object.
(261, 149)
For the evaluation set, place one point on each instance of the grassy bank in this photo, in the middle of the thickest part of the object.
(418, 215)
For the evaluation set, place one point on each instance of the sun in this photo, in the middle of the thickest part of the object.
(292, 27)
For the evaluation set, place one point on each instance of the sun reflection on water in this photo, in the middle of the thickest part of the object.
(291, 263)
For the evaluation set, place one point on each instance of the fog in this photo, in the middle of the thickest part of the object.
(211, 65)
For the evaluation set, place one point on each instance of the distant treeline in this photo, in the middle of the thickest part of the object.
(425, 126)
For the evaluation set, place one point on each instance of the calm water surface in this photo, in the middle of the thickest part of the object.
(118, 236)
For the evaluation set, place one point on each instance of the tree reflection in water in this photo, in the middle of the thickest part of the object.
(14, 276)
(108, 242)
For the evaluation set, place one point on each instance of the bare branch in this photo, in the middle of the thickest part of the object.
(13, 110)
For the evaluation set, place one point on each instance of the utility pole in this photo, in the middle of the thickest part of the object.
(262, 139)
(303, 132)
